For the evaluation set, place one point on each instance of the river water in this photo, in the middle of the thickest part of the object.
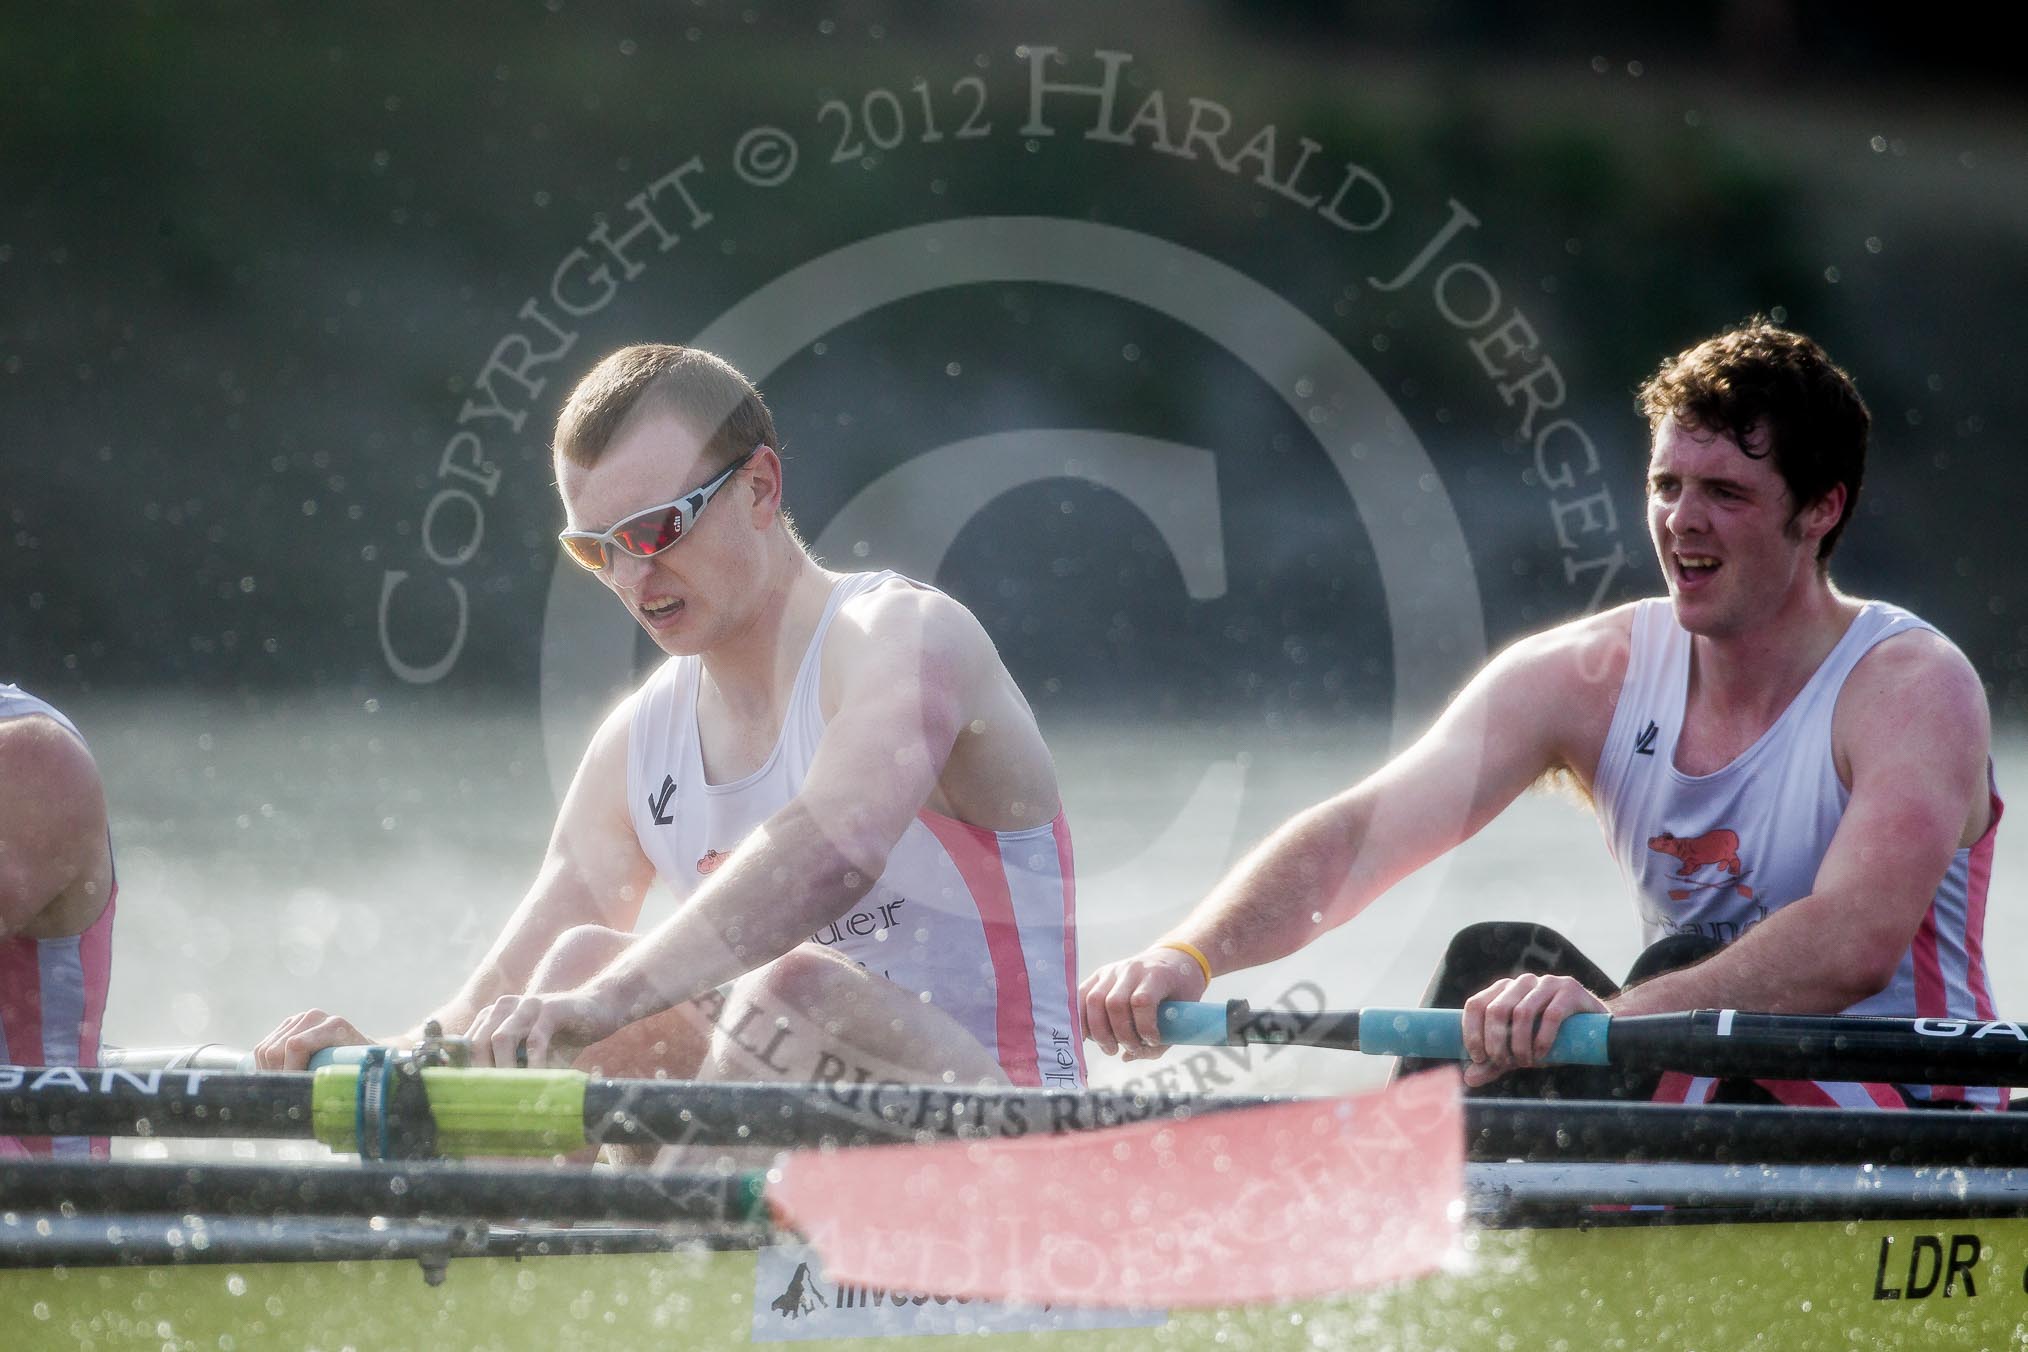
(298, 852)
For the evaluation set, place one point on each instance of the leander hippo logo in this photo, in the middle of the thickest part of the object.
(708, 862)
(1719, 848)
(801, 1297)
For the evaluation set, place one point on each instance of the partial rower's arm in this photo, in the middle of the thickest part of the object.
(55, 864)
(1522, 716)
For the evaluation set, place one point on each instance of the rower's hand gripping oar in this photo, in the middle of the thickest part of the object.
(435, 1049)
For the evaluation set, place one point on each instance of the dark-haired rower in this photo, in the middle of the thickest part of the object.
(1796, 783)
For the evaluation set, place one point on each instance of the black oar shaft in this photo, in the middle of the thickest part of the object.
(396, 1190)
(1539, 1130)
(221, 1202)
(782, 1115)
(1697, 1042)
(66, 1101)
(100, 1101)
(1823, 1047)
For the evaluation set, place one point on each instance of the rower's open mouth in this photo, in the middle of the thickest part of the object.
(1696, 566)
(660, 613)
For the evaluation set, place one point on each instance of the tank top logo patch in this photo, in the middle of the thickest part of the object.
(1694, 854)
(708, 864)
(658, 803)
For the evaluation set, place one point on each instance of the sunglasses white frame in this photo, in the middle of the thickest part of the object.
(687, 508)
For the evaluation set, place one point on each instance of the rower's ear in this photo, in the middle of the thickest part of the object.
(1816, 520)
(763, 491)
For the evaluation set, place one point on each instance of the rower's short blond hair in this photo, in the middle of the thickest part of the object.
(697, 386)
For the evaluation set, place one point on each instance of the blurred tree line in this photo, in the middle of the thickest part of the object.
(254, 259)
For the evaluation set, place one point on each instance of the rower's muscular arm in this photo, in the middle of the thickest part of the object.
(1535, 708)
(909, 682)
(1912, 732)
(55, 865)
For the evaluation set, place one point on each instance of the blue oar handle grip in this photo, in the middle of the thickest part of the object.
(329, 1056)
(338, 1056)
(1196, 1023)
(1439, 1034)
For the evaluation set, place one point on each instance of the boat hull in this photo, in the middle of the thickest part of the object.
(1629, 1284)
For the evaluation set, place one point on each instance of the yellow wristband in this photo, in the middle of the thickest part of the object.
(1181, 947)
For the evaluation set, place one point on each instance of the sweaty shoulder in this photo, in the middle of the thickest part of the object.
(1585, 657)
(43, 766)
(912, 654)
(1917, 678)
(37, 734)
(1567, 680)
(611, 737)
(900, 620)
(1920, 655)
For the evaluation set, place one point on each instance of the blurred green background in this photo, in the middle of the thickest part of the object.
(254, 260)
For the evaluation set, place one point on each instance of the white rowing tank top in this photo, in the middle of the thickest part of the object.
(981, 922)
(1715, 854)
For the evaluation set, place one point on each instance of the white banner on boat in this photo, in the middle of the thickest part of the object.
(793, 1301)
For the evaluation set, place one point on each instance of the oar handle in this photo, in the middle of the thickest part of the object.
(329, 1056)
(1196, 1023)
(1437, 1034)
(435, 1049)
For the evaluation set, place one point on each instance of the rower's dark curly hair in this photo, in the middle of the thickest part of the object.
(1758, 376)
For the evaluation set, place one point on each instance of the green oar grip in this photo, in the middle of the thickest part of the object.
(477, 1112)
(1439, 1034)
